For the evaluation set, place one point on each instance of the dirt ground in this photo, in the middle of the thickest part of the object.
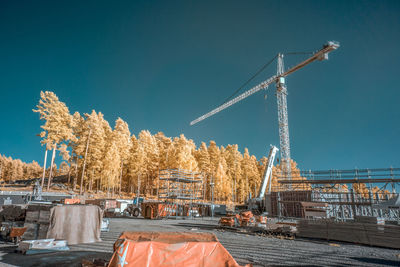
(260, 251)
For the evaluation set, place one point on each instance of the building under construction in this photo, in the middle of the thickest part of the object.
(180, 194)
(339, 194)
(180, 185)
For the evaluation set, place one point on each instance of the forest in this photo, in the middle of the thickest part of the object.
(97, 157)
(112, 159)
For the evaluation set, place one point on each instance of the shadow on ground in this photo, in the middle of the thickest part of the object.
(59, 259)
(376, 261)
(195, 225)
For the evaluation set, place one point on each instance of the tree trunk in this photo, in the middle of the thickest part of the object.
(91, 181)
(51, 168)
(120, 180)
(76, 174)
(44, 168)
(69, 176)
(84, 162)
(235, 198)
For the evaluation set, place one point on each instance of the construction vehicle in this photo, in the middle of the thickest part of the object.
(252, 212)
(134, 209)
(243, 219)
(257, 204)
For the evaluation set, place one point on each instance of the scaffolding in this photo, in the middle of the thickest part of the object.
(177, 184)
(181, 191)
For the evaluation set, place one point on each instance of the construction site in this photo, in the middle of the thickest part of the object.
(295, 217)
(328, 224)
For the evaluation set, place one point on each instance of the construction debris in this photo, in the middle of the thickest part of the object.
(94, 263)
(37, 221)
(12, 213)
(42, 246)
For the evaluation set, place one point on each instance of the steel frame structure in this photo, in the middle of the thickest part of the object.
(343, 204)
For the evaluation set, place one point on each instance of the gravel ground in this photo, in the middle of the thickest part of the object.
(260, 251)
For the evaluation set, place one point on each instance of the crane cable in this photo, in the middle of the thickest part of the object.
(299, 53)
(260, 70)
(249, 80)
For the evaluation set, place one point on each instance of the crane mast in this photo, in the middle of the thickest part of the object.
(281, 96)
(284, 141)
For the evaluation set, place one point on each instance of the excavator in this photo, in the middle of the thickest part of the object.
(252, 212)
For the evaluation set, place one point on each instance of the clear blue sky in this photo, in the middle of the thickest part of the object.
(160, 64)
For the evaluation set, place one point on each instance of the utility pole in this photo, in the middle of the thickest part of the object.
(84, 162)
(212, 196)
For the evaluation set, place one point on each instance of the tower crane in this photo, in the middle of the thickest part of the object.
(281, 95)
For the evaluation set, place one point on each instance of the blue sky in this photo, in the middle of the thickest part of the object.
(160, 64)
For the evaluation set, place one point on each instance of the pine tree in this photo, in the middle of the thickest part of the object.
(181, 154)
(136, 164)
(151, 160)
(250, 175)
(121, 135)
(222, 182)
(110, 170)
(233, 160)
(132, 164)
(163, 144)
(58, 126)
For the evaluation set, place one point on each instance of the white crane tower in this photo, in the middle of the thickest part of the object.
(281, 94)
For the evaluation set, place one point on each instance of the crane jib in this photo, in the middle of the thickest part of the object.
(253, 90)
(319, 55)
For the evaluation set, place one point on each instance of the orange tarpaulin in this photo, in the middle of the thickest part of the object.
(152, 249)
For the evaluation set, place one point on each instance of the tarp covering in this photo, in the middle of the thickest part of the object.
(75, 223)
(151, 249)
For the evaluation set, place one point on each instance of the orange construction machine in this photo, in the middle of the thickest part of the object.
(244, 218)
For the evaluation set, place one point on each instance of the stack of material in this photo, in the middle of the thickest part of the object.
(287, 203)
(369, 219)
(75, 223)
(37, 221)
(12, 213)
(355, 232)
(42, 246)
(12, 221)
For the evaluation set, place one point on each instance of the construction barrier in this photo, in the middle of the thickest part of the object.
(151, 249)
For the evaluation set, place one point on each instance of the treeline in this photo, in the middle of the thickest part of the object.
(114, 160)
(15, 169)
